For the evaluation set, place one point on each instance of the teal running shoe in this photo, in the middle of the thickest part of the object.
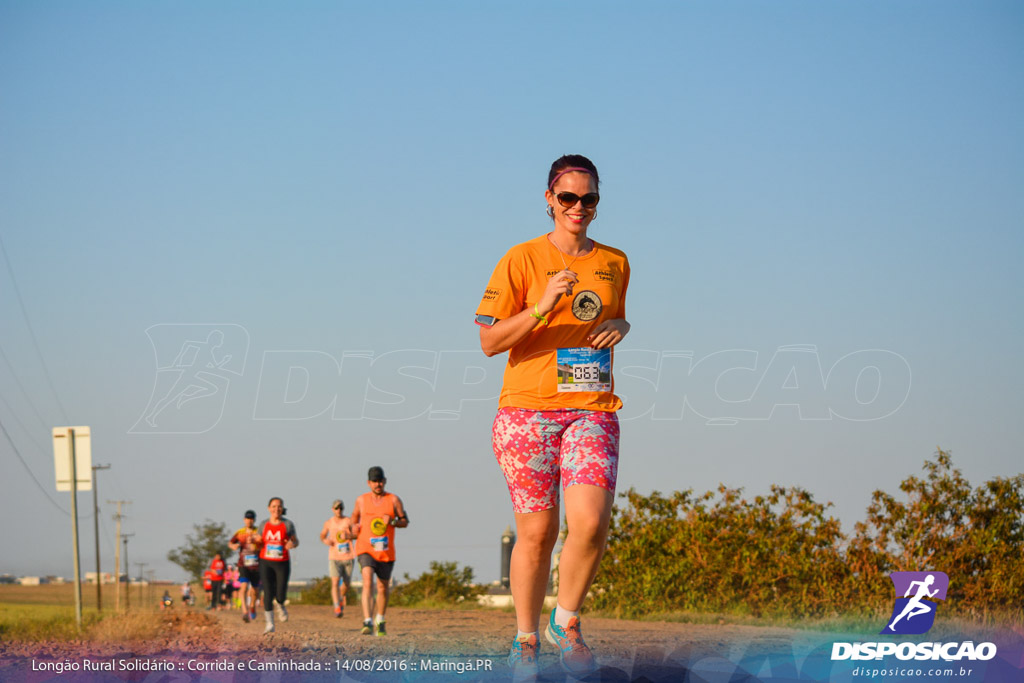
(523, 659)
(576, 657)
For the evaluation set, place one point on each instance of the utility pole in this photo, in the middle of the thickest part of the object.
(96, 527)
(127, 576)
(74, 531)
(143, 590)
(117, 552)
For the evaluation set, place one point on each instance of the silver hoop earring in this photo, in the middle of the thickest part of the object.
(550, 212)
(595, 215)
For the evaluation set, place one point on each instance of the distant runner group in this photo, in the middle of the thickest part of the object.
(264, 558)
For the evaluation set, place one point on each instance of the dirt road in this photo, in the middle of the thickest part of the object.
(629, 650)
(421, 645)
(424, 646)
(477, 633)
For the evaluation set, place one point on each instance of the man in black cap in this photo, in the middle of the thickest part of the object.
(376, 515)
(247, 542)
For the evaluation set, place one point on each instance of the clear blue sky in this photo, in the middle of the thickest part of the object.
(320, 179)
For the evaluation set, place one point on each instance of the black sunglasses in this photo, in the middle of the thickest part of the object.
(569, 199)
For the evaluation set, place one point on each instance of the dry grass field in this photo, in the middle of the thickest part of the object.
(47, 612)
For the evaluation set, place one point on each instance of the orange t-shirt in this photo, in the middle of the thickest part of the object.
(536, 368)
(376, 535)
(337, 531)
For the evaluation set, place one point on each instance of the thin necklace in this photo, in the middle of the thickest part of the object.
(551, 239)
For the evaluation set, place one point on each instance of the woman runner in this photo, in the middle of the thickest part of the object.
(277, 537)
(557, 304)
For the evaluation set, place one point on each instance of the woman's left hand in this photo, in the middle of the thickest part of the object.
(609, 333)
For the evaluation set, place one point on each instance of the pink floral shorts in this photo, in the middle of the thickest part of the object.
(538, 448)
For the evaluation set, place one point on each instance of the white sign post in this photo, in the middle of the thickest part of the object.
(72, 459)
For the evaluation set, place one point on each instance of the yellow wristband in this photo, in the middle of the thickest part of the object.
(536, 314)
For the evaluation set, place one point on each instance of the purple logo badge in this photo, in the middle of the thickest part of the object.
(913, 614)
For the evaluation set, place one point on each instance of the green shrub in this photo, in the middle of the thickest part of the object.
(780, 555)
(319, 593)
(976, 536)
(769, 556)
(444, 585)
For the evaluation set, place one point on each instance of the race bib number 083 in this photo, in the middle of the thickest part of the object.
(584, 369)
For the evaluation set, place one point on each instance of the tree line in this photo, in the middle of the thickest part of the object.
(781, 555)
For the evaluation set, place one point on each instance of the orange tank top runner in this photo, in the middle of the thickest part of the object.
(376, 534)
(275, 536)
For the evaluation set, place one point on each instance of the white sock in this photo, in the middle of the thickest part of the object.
(379, 618)
(269, 616)
(525, 635)
(562, 616)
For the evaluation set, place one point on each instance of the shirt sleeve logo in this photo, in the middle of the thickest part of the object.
(587, 305)
(491, 294)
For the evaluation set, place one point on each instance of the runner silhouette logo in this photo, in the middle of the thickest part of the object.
(194, 367)
(914, 612)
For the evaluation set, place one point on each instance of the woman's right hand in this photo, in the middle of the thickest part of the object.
(505, 334)
(561, 283)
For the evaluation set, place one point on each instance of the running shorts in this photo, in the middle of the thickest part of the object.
(381, 569)
(537, 449)
(250, 575)
(340, 569)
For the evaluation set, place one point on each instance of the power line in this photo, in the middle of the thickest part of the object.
(117, 553)
(31, 474)
(106, 534)
(120, 488)
(29, 470)
(31, 332)
(22, 424)
(28, 398)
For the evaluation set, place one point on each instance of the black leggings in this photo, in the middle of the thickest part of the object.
(274, 577)
(215, 587)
